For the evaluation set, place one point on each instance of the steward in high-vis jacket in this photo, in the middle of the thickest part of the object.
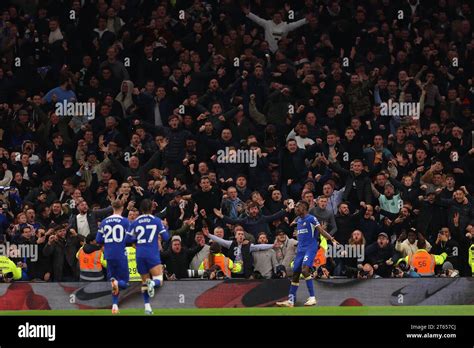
(423, 262)
(132, 264)
(471, 258)
(91, 260)
(218, 261)
(8, 270)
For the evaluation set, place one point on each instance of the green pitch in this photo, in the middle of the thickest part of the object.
(272, 311)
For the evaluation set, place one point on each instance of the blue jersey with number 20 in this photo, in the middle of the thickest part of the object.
(113, 234)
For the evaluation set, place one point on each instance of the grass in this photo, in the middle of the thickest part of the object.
(267, 311)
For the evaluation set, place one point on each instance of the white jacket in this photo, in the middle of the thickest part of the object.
(274, 32)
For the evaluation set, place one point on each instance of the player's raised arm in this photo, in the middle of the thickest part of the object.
(99, 238)
(326, 234)
(163, 231)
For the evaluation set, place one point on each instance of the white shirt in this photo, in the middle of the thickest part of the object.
(55, 36)
(82, 225)
(274, 32)
(158, 121)
(25, 173)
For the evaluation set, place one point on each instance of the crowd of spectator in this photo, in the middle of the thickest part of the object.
(301, 85)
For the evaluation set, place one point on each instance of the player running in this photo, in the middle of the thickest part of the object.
(145, 229)
(307, 229)
(113, 235)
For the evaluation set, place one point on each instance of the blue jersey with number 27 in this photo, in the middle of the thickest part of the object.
(307, 232)
(145, 230)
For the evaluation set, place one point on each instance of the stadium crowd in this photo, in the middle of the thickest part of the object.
(181, 89)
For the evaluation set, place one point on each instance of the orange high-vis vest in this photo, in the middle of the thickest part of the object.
(320, 258)
(90, 265)
(423, 261)
(221, 261)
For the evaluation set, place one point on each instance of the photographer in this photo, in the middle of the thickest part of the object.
(367, 271)
(9, 271)
(216, 265)
(285, 249)
(422, 261)
(62, 247)
(264, 261)
(403, 270)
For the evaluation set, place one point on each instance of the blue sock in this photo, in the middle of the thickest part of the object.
(122, 284)
(146, 297)
(310, 285)
(115, 299)
(293, 290)
(157, 283)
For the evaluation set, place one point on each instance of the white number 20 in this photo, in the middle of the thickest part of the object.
(114, 234)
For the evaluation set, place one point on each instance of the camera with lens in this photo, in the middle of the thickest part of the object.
(6, 278)
(280, 272)
(195, 273)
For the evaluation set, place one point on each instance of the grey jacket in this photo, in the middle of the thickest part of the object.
(286, 253)
(265, 262)
(325, 216)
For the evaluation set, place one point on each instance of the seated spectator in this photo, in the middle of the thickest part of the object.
(381, 255)
(264, 261)
(285, 249)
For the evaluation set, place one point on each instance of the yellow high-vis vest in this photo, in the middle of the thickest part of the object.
(131, 253)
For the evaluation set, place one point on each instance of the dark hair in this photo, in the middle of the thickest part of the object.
(306, 205)
(146, 206)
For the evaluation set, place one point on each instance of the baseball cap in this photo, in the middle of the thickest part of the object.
(176, 238)
(383, 234)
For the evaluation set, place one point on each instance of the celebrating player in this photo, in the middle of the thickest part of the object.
(145, 229)
(307, 228)
(113, 234)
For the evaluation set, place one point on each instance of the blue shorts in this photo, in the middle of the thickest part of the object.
(145, 264)
(305, 257)
(118, 269)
